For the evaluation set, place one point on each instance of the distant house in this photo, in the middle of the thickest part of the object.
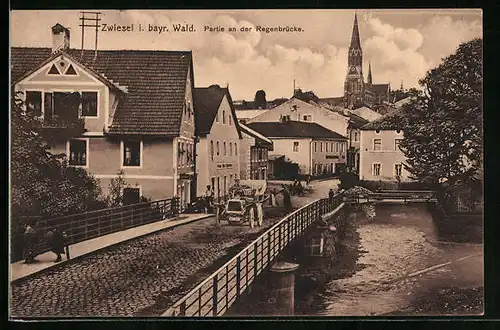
(366, 113)
(316, 149)
(246, 115)
(217, 159)
(136, 105)
(381, 158)
(254, 148)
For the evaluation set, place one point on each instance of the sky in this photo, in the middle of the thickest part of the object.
(401, 45)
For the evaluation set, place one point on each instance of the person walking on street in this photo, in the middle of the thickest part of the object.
(29, 243)
(287, 202)
(331, 194)
(208, 198)
(57, 241)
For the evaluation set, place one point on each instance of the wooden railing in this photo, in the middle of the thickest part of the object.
(84, 226)
(400, 195)
(218, 292)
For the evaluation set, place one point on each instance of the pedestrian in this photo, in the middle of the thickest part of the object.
(29, 242)
(287, 202)
(331, 194)
(208, 198)
(57, 240)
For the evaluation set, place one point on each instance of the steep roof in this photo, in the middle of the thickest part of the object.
(355, 43)
(379, 88)
(389, 122)
(256, 135)
(294, 129)
(207, 101)
(331, 100)
(155, 81)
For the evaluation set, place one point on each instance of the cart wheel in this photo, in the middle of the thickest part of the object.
(251, 217)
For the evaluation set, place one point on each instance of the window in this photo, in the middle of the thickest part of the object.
(315, 146)
(398, 169)
(34, 103)
(212, 150)
(131, 195)
(189, 109)
(377, 144)
(218, 148)
(295, 146)
(356, 136)
(230, 148)
(336, 147)
(396, 144)
(376, 169)
(235, 149)
(230, 120)
(342, 147)
(331, 147)
(223, 116)
(89, 104)
(321, 146)
(225, 150)
(132, 153)
(307, 117)
(78, 152)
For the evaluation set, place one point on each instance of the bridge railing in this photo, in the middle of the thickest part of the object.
(84, 226)
(404, 195)
(218, 292)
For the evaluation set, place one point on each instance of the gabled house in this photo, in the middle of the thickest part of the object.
(136, 105)
(316, 149)
(219, 136)
(254, 158)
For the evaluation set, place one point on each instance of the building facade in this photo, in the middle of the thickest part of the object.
(143, 127)
(218, 147)
(254, 160)
(381, 158)
(314, 148)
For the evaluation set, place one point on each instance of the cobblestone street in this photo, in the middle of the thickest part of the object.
(138, 277)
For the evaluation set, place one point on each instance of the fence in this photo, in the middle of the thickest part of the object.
(218, 292)
(84, 226)
(404, 195)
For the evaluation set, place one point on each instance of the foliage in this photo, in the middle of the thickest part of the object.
(348, 180)
(116, 185)
(42, 184)
(443, 135)
(260, 101)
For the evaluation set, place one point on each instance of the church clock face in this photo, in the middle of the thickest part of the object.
(353, 70)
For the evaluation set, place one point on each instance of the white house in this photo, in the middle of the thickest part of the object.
(254, 148)
(381, 159)
(314, 148)
(217, 150)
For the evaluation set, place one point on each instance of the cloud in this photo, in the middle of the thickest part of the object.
(403, 38)
(443, 35)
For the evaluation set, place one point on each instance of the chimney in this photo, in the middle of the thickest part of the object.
(60, 38)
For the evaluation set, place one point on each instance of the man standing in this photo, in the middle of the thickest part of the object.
(29, 243)
(56, 240)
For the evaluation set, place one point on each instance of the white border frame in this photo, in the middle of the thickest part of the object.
(122, 151)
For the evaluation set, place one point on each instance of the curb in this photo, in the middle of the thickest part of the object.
(65, 262)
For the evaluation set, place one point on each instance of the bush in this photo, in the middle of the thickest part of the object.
(348, 180)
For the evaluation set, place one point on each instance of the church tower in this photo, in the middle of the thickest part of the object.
(354, 82)
(369, 81)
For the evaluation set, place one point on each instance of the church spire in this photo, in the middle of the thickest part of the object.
(355, 43)
(369, 81)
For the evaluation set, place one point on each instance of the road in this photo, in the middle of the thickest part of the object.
(139, 277)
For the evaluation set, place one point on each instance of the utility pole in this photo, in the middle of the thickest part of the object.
(94, 19)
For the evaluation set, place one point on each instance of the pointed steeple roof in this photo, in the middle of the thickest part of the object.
(355, 43)
(370, 81)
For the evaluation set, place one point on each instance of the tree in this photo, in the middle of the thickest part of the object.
(443, 134)
(42, 183)
(306, 96)
(260, 99)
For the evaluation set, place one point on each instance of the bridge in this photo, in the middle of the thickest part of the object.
(188, 271)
